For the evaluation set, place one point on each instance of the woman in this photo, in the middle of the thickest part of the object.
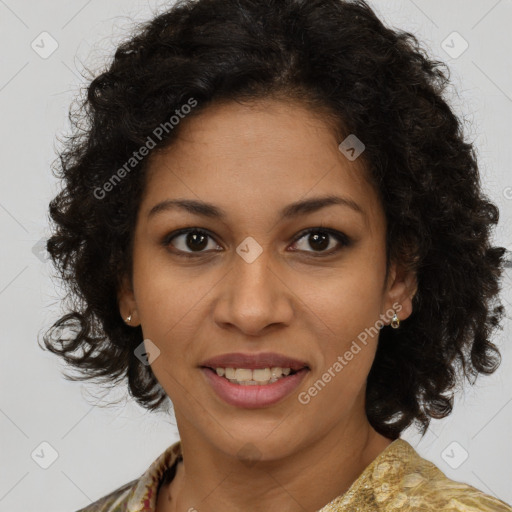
(273, 220)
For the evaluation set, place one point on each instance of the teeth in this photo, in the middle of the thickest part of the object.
(276, 372)
(261, 375)
(242, 374)
(248, 377)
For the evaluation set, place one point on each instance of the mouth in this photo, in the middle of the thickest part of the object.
(253, 388)
(253, 380)
(254, 376)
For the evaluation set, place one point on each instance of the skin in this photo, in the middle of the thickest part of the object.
(252, 160)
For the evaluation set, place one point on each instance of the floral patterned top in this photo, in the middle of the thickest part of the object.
(397, 480)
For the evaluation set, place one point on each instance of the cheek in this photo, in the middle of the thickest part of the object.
(348, 349)
(346, 303)
(167, 305)
(345, 311)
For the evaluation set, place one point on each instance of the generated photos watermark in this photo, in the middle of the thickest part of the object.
(305, 397)
(158, 133)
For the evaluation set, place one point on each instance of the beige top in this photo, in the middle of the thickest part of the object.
(397, 480)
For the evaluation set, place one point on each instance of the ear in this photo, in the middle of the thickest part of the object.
(126, 301)
(401, 287)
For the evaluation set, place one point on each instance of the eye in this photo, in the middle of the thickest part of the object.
(193, 242)
(318, 239)
(184, 239)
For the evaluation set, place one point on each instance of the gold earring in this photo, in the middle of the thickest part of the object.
(395, 321)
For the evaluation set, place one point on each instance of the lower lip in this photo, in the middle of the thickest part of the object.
(253, 396)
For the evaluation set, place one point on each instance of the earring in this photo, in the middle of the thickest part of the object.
(129, 318)
(395, 321)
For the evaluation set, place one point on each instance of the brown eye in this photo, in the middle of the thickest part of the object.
(320, 240)
(189, 241)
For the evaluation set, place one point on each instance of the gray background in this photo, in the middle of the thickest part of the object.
(99, 448)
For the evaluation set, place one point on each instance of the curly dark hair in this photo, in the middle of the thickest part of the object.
(337, 57)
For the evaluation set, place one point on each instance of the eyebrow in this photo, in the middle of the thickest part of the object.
(296, 209)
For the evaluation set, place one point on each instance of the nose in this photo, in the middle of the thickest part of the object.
(254, 297)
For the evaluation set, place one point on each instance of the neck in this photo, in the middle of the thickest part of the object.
(210, 480)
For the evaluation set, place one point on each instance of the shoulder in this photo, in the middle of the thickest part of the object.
(421, 485)
(442, 493)
(116, 501)
(400, 480)
(141, 493)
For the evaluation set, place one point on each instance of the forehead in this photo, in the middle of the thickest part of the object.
(262, 155)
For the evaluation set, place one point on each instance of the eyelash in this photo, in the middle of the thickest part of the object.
(340, 237)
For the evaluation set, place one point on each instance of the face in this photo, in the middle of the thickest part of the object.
(303, 282)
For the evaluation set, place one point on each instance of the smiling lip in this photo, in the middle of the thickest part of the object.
(255, 396)
(253, 361)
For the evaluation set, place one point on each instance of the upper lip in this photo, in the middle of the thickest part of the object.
(253, 361)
